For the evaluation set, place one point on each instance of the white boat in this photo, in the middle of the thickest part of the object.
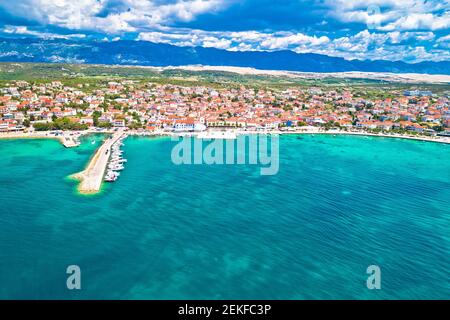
(117, 168)
(111, 176)
(118, 161)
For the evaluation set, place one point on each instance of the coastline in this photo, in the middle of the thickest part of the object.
(213, 134)
(68, 137)
(444, 140)
(90, 179)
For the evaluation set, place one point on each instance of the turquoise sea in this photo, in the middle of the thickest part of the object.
(337, 205)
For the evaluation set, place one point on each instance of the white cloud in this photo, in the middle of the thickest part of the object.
(396, 29)
(23, 30)
(419, 21)
(86, 14)
(243, 40)
(213, 42)
(367, 45)
(444, 38)
(394, 45)
(393, 15)
(58, 59)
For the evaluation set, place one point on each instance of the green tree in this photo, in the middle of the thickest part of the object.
(95, 116)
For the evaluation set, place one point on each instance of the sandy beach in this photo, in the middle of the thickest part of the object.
(313, 131)
(217, 134)
(67, 139)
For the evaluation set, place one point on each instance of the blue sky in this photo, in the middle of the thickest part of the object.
(408, 30)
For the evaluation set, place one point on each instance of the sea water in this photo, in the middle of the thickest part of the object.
(164, 231)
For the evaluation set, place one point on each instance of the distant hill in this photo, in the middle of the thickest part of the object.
(156, 54)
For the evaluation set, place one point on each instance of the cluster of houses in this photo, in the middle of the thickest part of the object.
(147, 106)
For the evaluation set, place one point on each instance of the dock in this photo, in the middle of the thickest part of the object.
(92, 177)
(70, 142)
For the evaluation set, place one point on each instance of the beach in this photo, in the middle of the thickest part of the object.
(445, 140)
(68, 139)
(91, 178)
(229, 133)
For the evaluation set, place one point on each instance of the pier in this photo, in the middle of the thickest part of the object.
(69, 142)
(92, 177)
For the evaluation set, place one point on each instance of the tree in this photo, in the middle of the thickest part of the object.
(329, 125)
(60, 124)
(104, 124)
(95, 116)
(135, 125)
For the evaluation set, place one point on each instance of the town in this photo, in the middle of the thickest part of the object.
(157, 108)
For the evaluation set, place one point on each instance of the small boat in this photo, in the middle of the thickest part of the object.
(116, 167)
(110, 178)
(112, 172)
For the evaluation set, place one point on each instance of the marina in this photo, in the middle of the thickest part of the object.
(116, 162)
(92, 177)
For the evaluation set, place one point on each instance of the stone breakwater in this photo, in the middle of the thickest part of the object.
(92, 177)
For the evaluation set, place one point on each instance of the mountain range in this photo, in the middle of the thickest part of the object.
(143, 53)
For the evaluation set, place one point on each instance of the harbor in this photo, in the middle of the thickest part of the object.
(92, 177)
(116, 161)
(70, 141)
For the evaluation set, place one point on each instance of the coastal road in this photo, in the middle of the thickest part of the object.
(92, 177)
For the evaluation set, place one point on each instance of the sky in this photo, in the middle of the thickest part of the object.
(407, 30)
